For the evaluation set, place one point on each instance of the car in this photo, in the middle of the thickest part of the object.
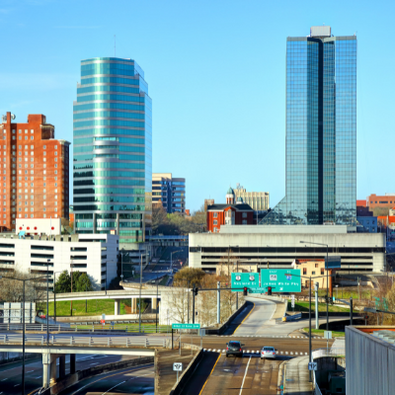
(268, 352)
(235, 348)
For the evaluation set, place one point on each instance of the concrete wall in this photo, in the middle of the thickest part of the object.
(283, 248)
(370, 364)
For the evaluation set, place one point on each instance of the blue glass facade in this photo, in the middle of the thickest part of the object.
(321, 132)
(112, 159)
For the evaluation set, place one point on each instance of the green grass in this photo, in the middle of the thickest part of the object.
(320, 332)
(304, 306)
(151, 328)
(94, 307)
(346, 292)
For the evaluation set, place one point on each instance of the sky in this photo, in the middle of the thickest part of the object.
(216, 76)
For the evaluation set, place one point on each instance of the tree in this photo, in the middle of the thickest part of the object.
(63, 283)
(81, 282)
(159, 217)
(188, 277)
(12, 290)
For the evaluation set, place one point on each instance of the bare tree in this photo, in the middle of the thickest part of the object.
(11, 290)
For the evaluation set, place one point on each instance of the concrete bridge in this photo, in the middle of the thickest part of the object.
(61, 345)
(147, 292)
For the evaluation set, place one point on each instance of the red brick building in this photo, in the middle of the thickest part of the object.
(34, 171)
(228, 214)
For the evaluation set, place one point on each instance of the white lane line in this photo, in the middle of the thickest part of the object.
(39, 377)
(16, 385)
(223, 350)
(113, 387)
(29, 371)
(4, 379)
(94, 363)
(245, 374)
(209, 349)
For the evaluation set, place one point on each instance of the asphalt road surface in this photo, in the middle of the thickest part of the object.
(10, 374)
(138, 380)
(248, 375)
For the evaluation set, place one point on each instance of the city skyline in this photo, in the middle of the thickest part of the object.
(193, 111)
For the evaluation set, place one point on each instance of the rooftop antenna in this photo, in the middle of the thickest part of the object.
(115, 45)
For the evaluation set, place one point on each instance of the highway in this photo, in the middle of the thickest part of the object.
(249, 375)
(130, 381)
(10, 374)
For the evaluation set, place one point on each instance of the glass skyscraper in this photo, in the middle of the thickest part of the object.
(112, 160)
(321, 131)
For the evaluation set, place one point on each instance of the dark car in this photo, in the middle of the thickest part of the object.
(235, 348)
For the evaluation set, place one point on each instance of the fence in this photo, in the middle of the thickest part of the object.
(328, 352)
(86, 327)
(91, 341)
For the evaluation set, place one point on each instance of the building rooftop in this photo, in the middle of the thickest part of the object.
(221, 207)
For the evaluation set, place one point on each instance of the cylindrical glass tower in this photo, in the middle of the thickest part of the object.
(112, 159)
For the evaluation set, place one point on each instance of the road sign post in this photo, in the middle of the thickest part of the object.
(313, 365)
(293, 302)
(177, 367)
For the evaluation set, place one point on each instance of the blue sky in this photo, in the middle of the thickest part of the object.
(216, 75)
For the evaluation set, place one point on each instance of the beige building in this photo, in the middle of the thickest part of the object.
(258, 201)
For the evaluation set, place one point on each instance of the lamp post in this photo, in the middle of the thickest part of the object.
(141, 279)
(23, 324)
(156, 312)
(48, 261)
(310, 346)
(327, 278)
(54, 294)
(171, 260)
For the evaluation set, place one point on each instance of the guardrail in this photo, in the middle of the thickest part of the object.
(328, 352)
(92, 341)
(85, 327)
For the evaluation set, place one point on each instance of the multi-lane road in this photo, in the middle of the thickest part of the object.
(216, 374)
(249, 375)
(10, 374)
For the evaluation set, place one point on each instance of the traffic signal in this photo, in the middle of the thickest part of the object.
(245, 291)
(269, 290)
(195, 291)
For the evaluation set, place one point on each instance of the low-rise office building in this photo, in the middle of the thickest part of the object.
(94, 254)
(280, 245)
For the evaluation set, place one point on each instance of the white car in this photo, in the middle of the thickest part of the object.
(268, 352)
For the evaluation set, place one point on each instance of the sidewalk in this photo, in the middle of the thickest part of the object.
(297, 377)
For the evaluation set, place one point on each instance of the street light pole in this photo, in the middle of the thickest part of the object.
(23, 340)
(310, 377)
(157, 304)
(327, 278)
(48, 260)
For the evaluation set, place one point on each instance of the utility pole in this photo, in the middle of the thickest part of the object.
(218, 303)
(316, 306)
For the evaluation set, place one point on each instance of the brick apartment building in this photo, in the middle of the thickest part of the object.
(34, 171)
(380, 205)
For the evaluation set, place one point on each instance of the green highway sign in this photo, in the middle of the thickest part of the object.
(241, 280)
(185, 326)
(281, 280)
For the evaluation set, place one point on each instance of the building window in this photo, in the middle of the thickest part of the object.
(244, 215)
(316, 265)
(313, 273)
(215, 230)
(215, 222)
(215, 215)
(322, 270)
(304, 270)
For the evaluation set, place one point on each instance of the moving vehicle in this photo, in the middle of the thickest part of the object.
(268, 352)
(235, 348)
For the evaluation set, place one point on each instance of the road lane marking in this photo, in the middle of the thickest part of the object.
(245, 374)
(39, 377)
(4, 379)
(253, 307)
(29, 371)
(212, 370)
(113, 387)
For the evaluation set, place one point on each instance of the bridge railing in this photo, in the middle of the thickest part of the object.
(84, 341)
(86, 327)
(328, 352)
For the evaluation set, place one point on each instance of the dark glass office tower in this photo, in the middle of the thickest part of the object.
(321, 131)
(112, 158)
